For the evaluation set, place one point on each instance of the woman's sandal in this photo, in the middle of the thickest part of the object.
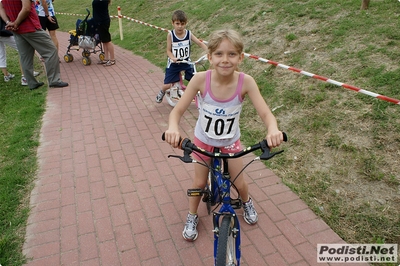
(102, 62)
(110, 63)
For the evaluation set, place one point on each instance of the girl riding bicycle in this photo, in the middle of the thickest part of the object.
(222, 91)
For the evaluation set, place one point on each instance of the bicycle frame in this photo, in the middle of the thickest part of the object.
(221, 192)
(218, 191)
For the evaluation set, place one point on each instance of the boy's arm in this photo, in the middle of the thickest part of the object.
(274, 136)
(45, 8)
(46, 11)
(169, 48)
(199, 43)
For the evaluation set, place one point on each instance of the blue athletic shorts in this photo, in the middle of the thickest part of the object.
(172, 73)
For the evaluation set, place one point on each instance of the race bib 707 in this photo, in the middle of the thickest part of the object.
(219, 123)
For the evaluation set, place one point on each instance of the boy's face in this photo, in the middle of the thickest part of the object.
(179, 26)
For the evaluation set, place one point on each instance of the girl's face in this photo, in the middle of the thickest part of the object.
(226, 58)
(179, 26)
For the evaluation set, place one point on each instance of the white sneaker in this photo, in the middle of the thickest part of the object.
(9, 77)
(190, 231)
(250, 214)
(24, 82)
(36, 73)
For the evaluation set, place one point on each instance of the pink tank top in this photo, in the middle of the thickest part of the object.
(218, 121)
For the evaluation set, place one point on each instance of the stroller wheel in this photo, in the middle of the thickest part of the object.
(85, 53)
(102, 56)
(86, 61)
(68, 58)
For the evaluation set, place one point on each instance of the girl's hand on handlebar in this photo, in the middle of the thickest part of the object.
(172, 137)
(274, 138)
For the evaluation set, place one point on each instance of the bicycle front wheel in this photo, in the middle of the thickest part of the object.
(173, 95)
(226, 248)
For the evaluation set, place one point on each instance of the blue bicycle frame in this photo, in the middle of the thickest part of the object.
(220, 192)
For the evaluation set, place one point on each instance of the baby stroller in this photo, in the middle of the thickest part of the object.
(84, 37)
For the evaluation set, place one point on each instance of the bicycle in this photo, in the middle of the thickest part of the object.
(217, 192)
(176, 91)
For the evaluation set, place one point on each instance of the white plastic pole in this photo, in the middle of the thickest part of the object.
(120, 23)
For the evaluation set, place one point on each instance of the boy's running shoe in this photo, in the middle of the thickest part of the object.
(190, 231)
(250, 215)
(160, 96)
(36, 73)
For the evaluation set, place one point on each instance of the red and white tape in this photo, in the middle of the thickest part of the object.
(337, 83)
(70, 14)
(144, 23)
(344, 85)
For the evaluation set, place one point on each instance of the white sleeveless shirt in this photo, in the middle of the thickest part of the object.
(218, 121)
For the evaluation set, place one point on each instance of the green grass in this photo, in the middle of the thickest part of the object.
(342, 158)
(20, 118)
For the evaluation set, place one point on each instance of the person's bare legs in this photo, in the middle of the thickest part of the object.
(106, 56)
(165, 87)
(199, 181)
(53, 36)
(190, 232)
(109, 53)
(109, 50)
(4, 70)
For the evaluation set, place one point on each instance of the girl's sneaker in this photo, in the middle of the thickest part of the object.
(250, 214)
(9, 77)
(190, 231)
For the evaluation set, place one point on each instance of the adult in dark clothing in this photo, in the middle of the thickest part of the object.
(102, 20)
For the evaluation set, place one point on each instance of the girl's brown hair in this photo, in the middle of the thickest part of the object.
(218, 36)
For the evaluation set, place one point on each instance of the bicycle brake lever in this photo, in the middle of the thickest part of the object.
(266, 152)
(185, 158)
(268, 155)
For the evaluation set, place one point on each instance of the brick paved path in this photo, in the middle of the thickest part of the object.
(106, 193)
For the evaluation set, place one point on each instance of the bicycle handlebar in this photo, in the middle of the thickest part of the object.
(188, 147)
(204, 57)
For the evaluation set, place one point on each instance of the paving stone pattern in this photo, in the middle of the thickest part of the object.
(106, 193)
